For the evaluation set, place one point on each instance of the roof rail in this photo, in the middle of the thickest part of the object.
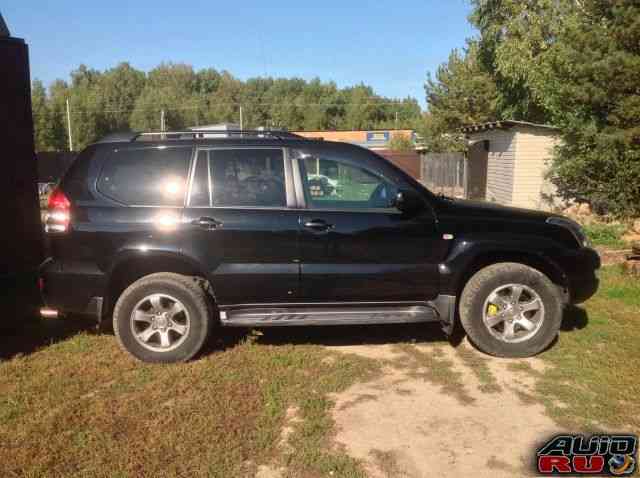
(130, 136)
(223, 133)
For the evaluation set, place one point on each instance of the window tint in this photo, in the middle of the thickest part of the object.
(335, 184)
(248, 177)
(75, 180)
(200, 186)
(146, 177)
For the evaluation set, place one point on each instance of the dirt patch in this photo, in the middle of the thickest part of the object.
(265, 471)
(292, 417)
(414, 424)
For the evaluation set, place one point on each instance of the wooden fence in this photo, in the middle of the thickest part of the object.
(444, 173)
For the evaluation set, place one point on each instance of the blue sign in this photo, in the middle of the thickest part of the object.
(378, 136)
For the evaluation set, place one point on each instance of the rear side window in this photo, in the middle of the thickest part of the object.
(247, 177)
(146, 176)
(75, 181)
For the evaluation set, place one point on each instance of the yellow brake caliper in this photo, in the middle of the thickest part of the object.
(492, 310)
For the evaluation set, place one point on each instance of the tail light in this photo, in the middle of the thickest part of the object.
(58, 212)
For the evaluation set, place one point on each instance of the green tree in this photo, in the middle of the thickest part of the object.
(120, 88)
(593, 95)
(172, 88)
(124, 98)
(42, 118)
(574, 64)
(223, 104)
(401, 143)
(58, 95)
(87, 107)
(461, 93)
(361, 111)
(514, 37)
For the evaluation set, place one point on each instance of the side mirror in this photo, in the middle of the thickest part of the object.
(409, 201)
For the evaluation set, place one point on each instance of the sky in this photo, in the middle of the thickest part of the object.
(388, 45)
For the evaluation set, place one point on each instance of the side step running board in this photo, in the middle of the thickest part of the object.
(343, 314)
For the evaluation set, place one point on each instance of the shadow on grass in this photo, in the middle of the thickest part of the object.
(343, 335)
(31, 334)
(34, 334)
(574, 319)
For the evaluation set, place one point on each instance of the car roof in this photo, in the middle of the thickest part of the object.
(222, 139)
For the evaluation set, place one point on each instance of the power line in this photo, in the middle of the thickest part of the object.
(213, 105)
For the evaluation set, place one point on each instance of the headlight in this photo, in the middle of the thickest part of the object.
(573, 227)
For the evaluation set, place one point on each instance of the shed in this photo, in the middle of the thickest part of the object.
(508, 161)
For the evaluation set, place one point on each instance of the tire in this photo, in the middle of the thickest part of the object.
(500, 284)
(193, 318)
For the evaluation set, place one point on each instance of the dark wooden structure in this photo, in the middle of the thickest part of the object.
(477, 166)
(409, 162)
(22, 246)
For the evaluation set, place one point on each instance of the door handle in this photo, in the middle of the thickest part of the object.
(206, 223)
(318, 225)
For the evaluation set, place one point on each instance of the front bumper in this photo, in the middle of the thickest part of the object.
(580, 269)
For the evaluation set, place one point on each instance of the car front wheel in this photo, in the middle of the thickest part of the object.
(510, 310)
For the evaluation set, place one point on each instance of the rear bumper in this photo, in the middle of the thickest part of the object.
(580, 268)
(66, 289)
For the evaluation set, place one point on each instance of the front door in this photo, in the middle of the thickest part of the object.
(240, 225)
(355, 245)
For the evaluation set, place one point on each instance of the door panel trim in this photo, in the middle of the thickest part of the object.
(289, 180)
(297, 182)
(227, 268)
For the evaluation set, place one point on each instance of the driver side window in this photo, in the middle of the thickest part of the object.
(335, 184)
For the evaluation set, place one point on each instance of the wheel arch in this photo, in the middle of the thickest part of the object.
(130, 267)
(532, 259)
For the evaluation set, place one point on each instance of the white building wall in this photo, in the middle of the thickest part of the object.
(534, 150)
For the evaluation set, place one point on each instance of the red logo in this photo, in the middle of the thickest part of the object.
(613, 455)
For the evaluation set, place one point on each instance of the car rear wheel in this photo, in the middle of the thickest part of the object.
(162, 317)
(510, 310)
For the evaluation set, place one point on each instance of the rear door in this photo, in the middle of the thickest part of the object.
(355, 245)
(240, 224)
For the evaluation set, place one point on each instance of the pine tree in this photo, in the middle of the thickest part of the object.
(462, 93)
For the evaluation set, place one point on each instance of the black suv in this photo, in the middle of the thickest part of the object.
(174, 234)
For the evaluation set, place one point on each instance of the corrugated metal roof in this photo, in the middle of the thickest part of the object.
(4, 29)
(506, 124)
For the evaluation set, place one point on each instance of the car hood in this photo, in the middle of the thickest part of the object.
(483, 209)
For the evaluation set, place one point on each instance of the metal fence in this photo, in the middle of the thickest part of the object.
(444, 172)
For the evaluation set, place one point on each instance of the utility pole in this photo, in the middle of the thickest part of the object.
(241, 121)
(162, 125)
(69, 126)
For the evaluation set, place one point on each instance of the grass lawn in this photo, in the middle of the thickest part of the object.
(606, 235)
(81, 407)
(592, 382)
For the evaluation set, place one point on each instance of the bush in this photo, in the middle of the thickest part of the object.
(606, 235)
(599, 169)
(401, 143)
